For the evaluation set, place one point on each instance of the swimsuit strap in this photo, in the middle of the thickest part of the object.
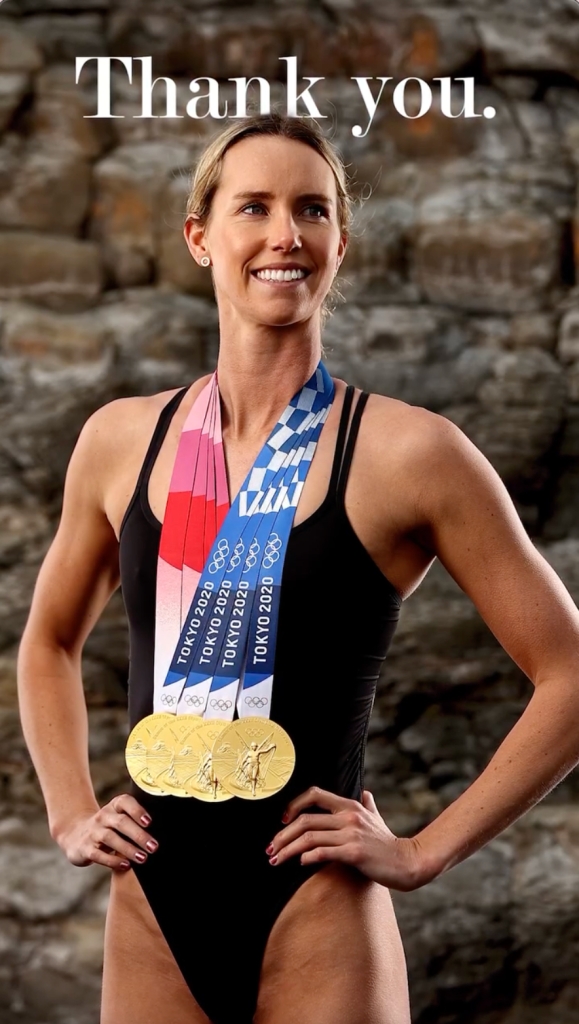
(158, 437)
(155, 443)
(340, 440)
(352, 436)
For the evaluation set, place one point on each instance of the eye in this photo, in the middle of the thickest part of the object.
(318, 206)
(321, 210)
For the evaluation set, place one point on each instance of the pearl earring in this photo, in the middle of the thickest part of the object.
(205, 261)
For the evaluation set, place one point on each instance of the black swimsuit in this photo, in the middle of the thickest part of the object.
(210, 884)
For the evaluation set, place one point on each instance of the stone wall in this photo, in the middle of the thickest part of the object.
(460, 288)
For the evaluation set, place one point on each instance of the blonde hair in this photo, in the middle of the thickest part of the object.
(207, 173)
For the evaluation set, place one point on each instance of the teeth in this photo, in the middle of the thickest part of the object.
(280, 275)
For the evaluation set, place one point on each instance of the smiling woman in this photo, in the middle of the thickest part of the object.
(266, 522)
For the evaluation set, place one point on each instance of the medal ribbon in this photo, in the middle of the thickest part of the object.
(232, 559)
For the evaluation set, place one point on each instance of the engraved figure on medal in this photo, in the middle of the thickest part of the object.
(249, 770)
(147, 756)
(254, 757)
(202, 781)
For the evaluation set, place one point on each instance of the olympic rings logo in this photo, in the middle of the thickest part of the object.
(167, 699)
(256, 702)
(236, 556)
(218, 560)
(272, 549)
(223, 705)
(252, 555)
(193, 700)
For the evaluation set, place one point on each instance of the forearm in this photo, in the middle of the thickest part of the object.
(538, 752)
(55, 725)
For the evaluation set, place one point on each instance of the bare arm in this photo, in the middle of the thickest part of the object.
(75, 582)
(474, 529)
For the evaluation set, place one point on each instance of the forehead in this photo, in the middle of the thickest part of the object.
(273, 163)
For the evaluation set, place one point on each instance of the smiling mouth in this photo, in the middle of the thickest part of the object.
(280, 284)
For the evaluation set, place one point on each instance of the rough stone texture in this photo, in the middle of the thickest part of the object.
(128, 186)
(461, 292)
(44, 188)
(62, 273)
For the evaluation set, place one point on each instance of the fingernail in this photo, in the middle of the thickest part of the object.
(269, 849)
(151, 845)
(285, 816)
(273, 860)
(125, 864)
(145, 819)
(141, 857)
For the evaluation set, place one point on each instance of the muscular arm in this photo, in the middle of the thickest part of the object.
(471, 524)
(75, 582)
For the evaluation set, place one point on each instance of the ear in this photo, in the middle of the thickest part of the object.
(341, 250)
(194, 233)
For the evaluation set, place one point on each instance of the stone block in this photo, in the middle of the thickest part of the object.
(59, 114)
(564, 105)
(402, 43)
(52, 338)
(54, 271)
(519, 410)
(13, 88)
(168, 37)
(161, 340)
(63, 37)
(46, 189)
(18, 52)
(505, 263)
(242, 42)
(530, 41)
(39, 883)
(127, 189)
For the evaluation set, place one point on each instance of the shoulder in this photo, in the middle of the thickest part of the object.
(123, 421)
(116, 432)
(408, 429)
(441, 468)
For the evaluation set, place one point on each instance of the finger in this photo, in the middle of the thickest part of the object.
(308, 841)
(109, 860)
(110, 839)
(369, 802)
(303, 823)
(127, 804)
(321, 797)
(128, 827)
(343, 853)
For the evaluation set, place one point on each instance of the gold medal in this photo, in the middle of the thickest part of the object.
(174, 734)
(253, 757)
(146, 755)
(197, 774)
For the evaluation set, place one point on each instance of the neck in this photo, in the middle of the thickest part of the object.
(259, 375)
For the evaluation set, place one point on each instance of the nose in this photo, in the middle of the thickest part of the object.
(284, 232)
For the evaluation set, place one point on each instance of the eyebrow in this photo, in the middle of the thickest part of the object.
(312, 196)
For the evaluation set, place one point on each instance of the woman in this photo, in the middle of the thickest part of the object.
(227, 913)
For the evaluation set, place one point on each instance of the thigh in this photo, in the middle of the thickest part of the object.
(142, 983)
(335, 956)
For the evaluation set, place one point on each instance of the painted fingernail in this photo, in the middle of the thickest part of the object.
(285, 816)
(269, 849)
(273, 860)
(124, 864)
(141, 857)
(145, 819)
(152, 845)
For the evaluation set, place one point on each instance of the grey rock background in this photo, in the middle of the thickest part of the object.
(461, 296)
